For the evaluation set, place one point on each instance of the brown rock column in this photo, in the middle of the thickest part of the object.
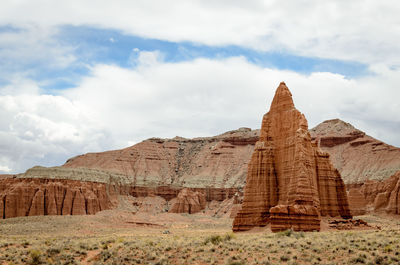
(290, 183)
(2, 206)
(51, 205)
(93, 205)
(78, 206)
(67, 203)
(260, 190)
(37, 207)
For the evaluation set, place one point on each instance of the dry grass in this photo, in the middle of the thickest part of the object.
(81, 240)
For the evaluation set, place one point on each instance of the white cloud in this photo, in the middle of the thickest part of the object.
(365, 31)
(206, 97)
(115, 107)
(30, 45)
(145, 58)
(5, 169)
(43, 129)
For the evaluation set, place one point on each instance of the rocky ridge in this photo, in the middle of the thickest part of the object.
(219, 161)
(357, 156)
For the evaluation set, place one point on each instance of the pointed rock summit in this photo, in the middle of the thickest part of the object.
(283, 99)
(290, 181)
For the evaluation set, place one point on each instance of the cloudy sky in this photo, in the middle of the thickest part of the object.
(86, 76)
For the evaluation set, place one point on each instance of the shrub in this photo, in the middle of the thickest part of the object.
(214, 239)
(229, 236)
(288, 232)
(35, 256)
(285, 258)
(235, 262)
(53, 251)
(379, 260)
(359, 259)
(105, 255)
(387, 249)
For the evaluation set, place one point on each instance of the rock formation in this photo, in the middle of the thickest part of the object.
(290, 182)
(221, 161)
(357, 156)
(376, 196)
(63, 191)
(217, 166)
(29, 197)
(357, 202)
(188, 201)
(218, 162)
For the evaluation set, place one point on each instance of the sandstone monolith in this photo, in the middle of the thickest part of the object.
(290, 182)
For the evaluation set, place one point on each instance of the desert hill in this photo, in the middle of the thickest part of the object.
(357, 156)
(221, 161)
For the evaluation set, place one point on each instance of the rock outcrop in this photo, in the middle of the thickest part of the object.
(357, 202)
(29, 197)
(188, 201)
(218, 162)
(357, 156)
(376, 196)
(63, 191)
(290, 182)
(221, 161)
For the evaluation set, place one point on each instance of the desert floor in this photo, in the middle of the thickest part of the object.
(117, 237)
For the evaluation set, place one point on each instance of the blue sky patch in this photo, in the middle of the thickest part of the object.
(91, 46)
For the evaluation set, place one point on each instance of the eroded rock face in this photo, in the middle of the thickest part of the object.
(217, 162)
(357, 202)
(29, 197)
(376, 196)
(188, 201)
(357, 156)
(290, 182)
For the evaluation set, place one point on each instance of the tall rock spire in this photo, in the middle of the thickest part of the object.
(290, 182)
(283, 99)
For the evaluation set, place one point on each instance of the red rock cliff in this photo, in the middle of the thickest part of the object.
(290, 183)
(28, 197)
(376, 196)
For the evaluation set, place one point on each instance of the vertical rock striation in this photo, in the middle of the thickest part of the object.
(188, 201)
(376, 196)
(290, 182)
(29, 197)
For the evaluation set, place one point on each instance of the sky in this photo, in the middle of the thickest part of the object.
(90, 76)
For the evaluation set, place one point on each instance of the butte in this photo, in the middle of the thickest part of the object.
(290, 182)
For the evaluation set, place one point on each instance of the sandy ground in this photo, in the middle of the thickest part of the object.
(120, 237)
